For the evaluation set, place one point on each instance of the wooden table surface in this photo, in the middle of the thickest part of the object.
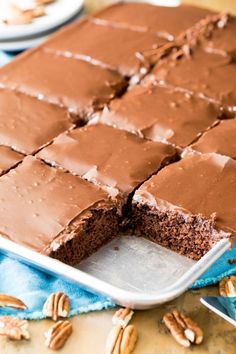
(90, 330)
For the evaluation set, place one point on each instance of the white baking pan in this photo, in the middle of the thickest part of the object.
(132, 271)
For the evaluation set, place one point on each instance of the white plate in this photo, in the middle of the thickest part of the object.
(18, 46)
(56, 14)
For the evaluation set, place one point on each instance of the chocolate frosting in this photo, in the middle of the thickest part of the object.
(77, 85)
(165, 21)
(107, 46)
(108, 156)
(198, 184)
(215, 76)
(223, 39)
(27, 124)
(161, 114)
(8, 158)
(37, 202)
(221, 139)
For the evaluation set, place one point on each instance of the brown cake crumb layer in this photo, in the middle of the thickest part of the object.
(189, 235)
(189, 205)
(87, 235)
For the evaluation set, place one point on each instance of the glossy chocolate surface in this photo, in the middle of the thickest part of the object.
(198, 184)
(108, 46)
(208, 74)
(27, 124)
(108, 156)
(223, 39)
(221, 139)
(8, 158)
(77, 85)
(38, 202)
(165, 21)
(161, 114)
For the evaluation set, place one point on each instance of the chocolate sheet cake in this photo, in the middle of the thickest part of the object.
(215, 77)
(24, 116)
(74, 84)
(84, 153)
(8, 158)
(223, 39)
(107, 46)
(189, 205)
(196, 51)
(221, 139)
(54, 212)
(167, 22)
(161, 114)
(113, 158)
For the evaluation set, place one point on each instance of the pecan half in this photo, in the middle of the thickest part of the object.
(114, 340)
(122, 317)
(121, 340)
(227, 286)
(128, 340)
(14, 328)
(58, 334)
(11, 301)
(57, 305)
(184, 330)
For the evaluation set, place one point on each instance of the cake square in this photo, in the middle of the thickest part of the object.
(215, 78)
(221, 139)
(54, 212)
(189, 205)
(108, 46)
(8, 158)
(74, 84)
(167, 22)
(113, 158)
(27, 124)
(161, 114)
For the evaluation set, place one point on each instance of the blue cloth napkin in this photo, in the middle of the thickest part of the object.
(34, 286)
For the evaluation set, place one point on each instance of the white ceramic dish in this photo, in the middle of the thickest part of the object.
(56, 14)
(19, 45)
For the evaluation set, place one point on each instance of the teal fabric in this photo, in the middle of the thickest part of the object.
(218, 270)
(34, 286)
